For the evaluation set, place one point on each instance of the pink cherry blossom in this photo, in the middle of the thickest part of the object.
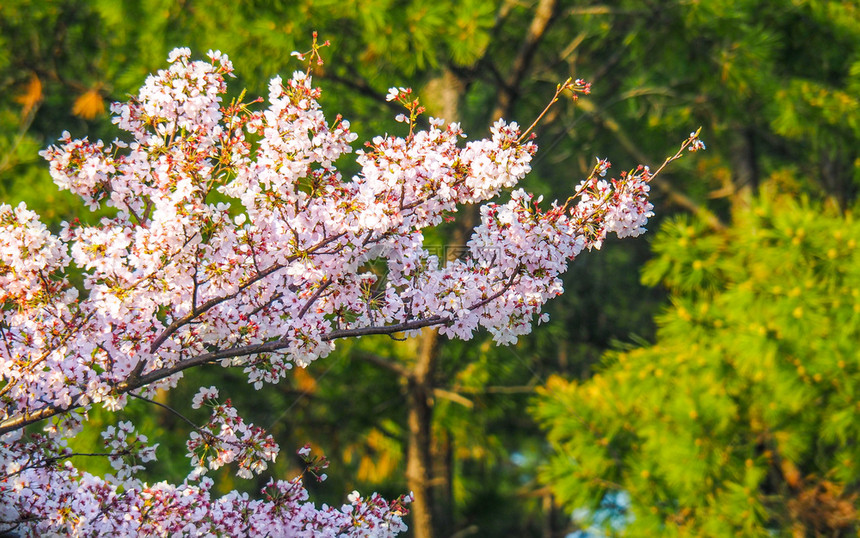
(271, 279)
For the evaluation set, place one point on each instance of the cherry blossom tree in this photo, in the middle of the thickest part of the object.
(236, 241)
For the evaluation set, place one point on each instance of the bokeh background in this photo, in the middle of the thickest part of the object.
(702, 380)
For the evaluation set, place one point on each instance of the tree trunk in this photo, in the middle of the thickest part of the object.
(419, 465)
(442, 483)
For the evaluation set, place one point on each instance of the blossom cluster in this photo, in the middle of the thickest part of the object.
(50, 497)
(226, 438)
(237, 241)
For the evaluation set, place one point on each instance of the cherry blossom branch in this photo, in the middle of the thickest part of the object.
(675, 195)
(575, 86)
(195, 313)
(70, 333)
(46, 462)
(320, 289)
(29, 417)
(499, 293)
(272, 287)
(139, 381)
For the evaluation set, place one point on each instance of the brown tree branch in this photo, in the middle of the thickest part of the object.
(454, 397)
(385, 364)
(543, 18)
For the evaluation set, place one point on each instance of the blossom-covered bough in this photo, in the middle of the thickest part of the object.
(236, 241)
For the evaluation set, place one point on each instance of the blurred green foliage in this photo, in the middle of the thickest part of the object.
(741, 418)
